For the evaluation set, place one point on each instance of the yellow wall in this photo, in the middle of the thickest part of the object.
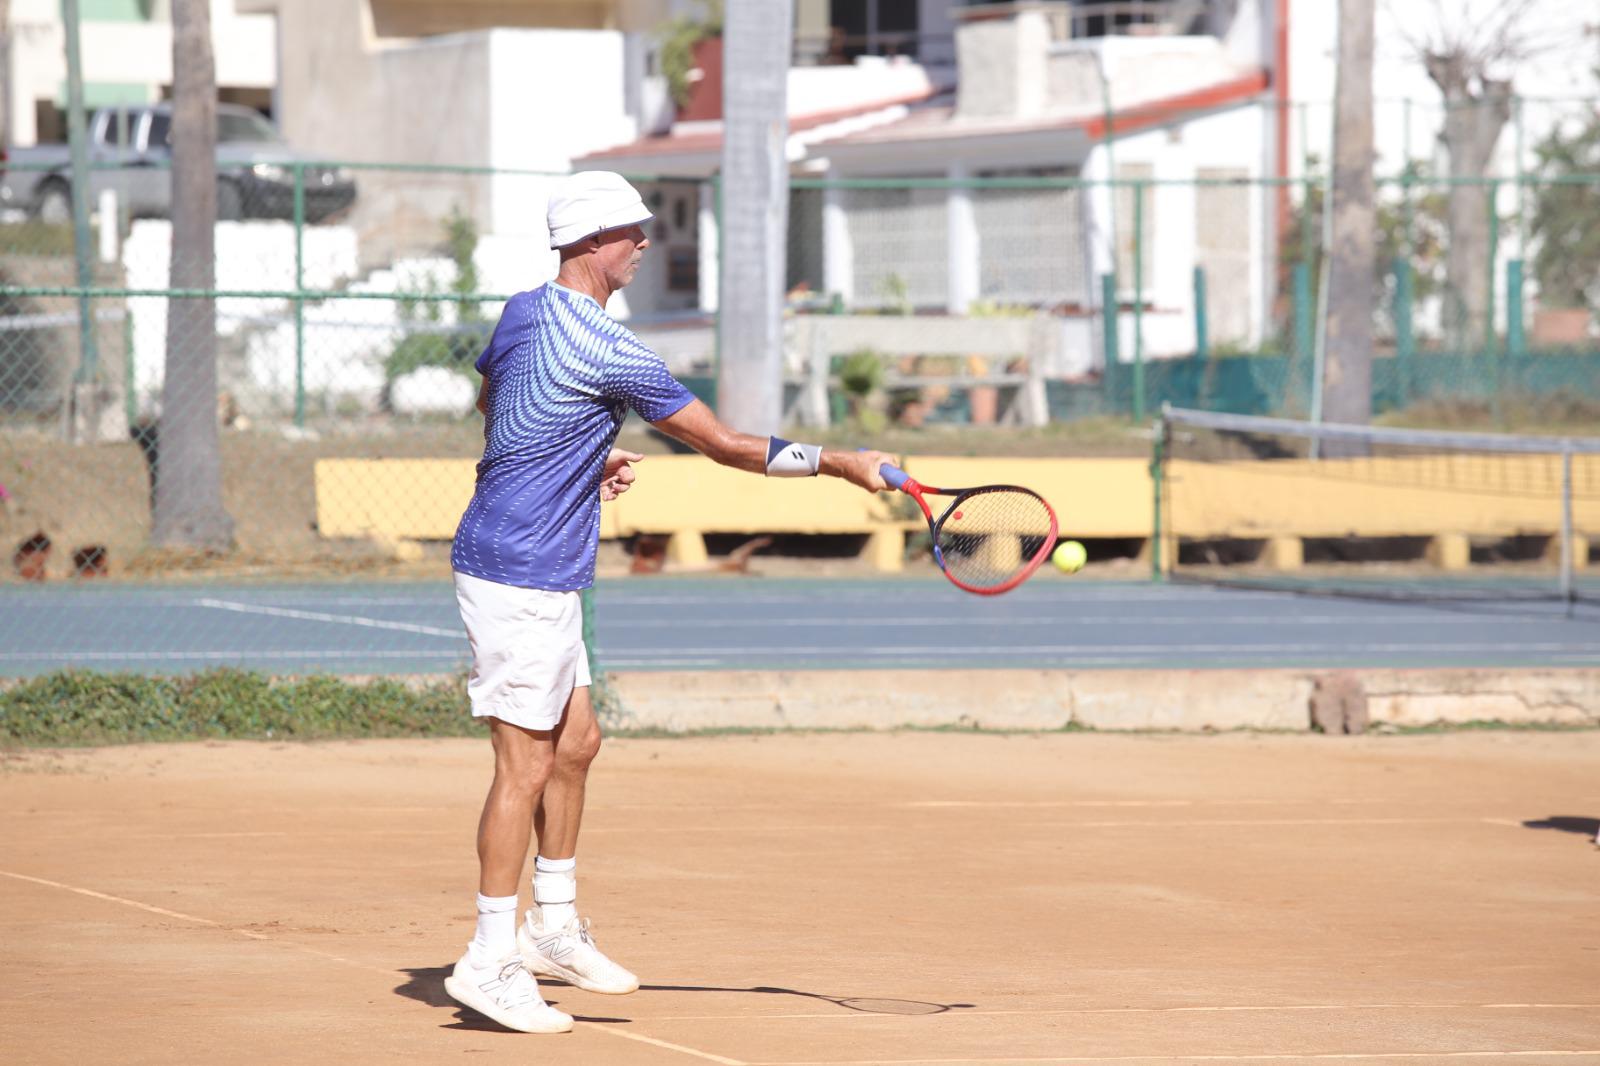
(422, 499)
(1457, 493)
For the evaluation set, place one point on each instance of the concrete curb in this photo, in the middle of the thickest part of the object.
(1181, 700)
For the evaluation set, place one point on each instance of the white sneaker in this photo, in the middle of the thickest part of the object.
(507, 993)
(570, 954)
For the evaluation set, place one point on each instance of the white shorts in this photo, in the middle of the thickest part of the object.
(527, 651)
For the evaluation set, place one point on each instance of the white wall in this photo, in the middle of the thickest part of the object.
(553, 94)
(816, 90)
(1229, 139)
(126, 52)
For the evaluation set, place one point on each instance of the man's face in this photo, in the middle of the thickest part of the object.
(619, 253)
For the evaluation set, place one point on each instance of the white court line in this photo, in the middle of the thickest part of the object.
(92, 894)
(725, 1061)
(850, 827)
(253, 935)
(79, 654)
(1318, 1056)
(611, 663)
(250, 933)
(1054, 621)
(849, 650)
(612, 1030)
(323, 616)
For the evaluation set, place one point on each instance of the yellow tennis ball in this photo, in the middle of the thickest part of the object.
(1069, 556)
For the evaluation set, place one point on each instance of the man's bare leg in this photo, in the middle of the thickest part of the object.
(492, 978)
(556, 944)
(523, 760)
(559, 814)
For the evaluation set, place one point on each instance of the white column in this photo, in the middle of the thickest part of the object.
(708, 243)
(838, 258)
(1099, 232)
(1171, 254)
(962, 245)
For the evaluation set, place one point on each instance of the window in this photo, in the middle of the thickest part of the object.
(160, 135)
(234, 127)
(683, 269)
(120, 129)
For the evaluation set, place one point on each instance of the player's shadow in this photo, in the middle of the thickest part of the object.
(425, 984)
(1566, 823)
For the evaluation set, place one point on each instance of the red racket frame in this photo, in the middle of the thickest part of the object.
(915, 489)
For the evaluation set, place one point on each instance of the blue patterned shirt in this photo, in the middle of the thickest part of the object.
(561, 375)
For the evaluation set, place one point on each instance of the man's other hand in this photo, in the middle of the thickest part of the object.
(618, 474)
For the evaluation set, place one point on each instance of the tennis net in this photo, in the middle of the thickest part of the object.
(1376, 511)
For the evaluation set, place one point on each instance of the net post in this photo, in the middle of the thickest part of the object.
(586, 602)
(1491, 346)
(1303, 339)
(299, 301)
(1108, 312)
(1138, 301)
(1516, 340)
(1158, 449)
(1202, 345)
(1404, 339)
(1567, 593)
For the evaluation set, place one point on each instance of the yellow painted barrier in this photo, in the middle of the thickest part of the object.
(1091, 497)
(400, 499)
(689, 492)
(687, 496)
(1380, 497)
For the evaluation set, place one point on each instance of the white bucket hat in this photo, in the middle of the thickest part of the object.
(591, 202)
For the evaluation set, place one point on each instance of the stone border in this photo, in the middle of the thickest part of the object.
(1178, 700)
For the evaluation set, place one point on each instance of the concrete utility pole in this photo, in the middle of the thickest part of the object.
(84, 425)
(1347, 371)
(757, 40)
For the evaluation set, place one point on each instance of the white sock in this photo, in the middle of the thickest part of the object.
(497, 931)
(555, 890)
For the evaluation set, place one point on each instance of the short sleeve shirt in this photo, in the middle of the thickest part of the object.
(561, 375)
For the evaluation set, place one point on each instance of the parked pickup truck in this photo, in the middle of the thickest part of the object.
(131, 152)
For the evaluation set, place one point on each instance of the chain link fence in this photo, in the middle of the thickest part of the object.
(344, 325)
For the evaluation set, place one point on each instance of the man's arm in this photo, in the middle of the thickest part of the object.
(696, 426)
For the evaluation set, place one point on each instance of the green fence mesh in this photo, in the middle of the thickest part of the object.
(349, 302)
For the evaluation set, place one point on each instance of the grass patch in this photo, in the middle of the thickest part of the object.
(83, 708)
(1488, 725)
(77, 707)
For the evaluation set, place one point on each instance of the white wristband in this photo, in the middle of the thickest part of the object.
(788, 459)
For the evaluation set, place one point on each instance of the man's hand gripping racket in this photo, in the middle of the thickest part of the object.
(989, 539)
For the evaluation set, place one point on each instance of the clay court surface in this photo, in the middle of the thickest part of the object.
(841, 899)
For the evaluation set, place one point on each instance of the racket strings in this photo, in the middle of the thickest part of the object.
(989, 538)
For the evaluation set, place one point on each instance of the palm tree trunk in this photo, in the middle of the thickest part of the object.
(189, 512)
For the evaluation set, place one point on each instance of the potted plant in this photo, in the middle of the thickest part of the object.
(691, 61)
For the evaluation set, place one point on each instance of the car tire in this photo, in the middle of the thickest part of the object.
(54, 204)
(230, 202)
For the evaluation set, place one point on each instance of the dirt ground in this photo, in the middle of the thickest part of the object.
(827, 898)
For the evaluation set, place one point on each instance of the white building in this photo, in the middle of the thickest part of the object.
(126, 52)
(1189, 91)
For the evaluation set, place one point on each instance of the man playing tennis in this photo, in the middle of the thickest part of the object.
(559, 376)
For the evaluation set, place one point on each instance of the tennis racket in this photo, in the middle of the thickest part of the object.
(987, 540)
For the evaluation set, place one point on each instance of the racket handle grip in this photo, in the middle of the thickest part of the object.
(893, 475)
